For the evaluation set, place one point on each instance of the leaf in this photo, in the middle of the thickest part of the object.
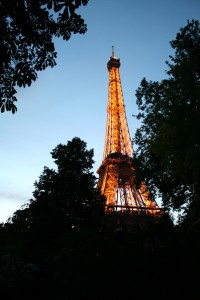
(49, 5)
(65, 14)
(71, 9)
(2, 108)
(14, 108)
(58, 7)
(77, 3)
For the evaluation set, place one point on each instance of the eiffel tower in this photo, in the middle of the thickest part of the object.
(116, 181)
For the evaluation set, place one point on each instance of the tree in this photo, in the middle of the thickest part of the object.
(168, 153)
(64, 198)
(27, 30)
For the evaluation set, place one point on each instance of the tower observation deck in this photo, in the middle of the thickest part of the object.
(116, 180)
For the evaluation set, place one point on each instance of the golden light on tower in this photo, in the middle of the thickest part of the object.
(116, 181)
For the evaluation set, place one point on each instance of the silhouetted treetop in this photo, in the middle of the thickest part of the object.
(168, 154)
(64, 198)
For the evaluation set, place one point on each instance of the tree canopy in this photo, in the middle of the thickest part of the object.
(48, 252)
(64, 198)
(27, 30)
(168, 141)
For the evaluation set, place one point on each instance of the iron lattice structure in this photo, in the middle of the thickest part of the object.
(116, 181)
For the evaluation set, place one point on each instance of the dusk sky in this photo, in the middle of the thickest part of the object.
(70, 100)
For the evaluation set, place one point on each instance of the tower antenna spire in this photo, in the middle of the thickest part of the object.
(113, 55)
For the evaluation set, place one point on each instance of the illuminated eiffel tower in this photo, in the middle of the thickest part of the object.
(116, 181)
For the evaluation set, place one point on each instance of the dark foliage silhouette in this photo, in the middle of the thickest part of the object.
(27, 30)
(62, 246)
(64, 198)
(168, 153)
